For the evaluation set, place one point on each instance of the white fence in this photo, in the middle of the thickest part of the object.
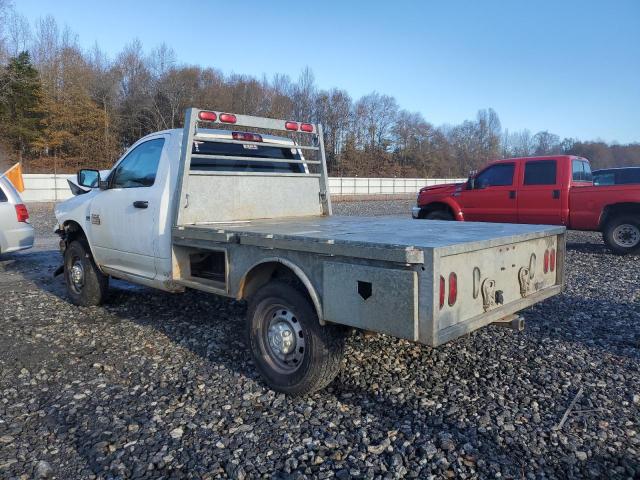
(44, 187)
(385, 186)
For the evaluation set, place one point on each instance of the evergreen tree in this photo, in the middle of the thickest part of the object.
(20, 103)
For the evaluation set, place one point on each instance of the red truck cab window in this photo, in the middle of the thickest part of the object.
(581, 171)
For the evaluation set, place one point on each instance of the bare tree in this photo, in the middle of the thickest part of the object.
(546, 143)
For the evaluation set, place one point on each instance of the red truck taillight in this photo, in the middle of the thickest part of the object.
(22, 213)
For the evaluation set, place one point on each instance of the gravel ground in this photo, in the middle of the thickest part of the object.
(161, 386)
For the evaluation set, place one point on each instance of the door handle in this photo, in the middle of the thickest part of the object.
(512, 194)
(555, 194)
(140, 204)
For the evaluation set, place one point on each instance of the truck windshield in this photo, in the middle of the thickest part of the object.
(244, 151)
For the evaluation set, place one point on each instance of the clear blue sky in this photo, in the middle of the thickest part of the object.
(572, 67)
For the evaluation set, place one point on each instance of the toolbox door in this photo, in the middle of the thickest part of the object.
(379, 299)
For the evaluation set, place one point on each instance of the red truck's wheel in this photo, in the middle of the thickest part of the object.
(292, 351)
(622, 234)
(439, 215)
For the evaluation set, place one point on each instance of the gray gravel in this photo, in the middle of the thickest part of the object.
(160, 386)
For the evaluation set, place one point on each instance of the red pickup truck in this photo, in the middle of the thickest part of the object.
(553, 190)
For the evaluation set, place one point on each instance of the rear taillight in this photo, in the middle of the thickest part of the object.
(442, 291)
(306, 127)
(453, 288)
(552, 260)
(22, 213)
(246, 137)
(546, 261)
(291, 126)
(228, 118)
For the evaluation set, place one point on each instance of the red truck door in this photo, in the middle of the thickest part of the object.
(493, 198)
(540, 192)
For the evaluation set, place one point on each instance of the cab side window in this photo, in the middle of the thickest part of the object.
(139, 167)
(540, 172)
(581, 171)
(499, 175)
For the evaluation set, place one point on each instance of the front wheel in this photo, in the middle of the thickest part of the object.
(292, 351)
(86, 284)
(622, 234)
(439, 215)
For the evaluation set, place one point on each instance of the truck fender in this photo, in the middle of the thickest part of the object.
(610, 211)
(70, 231)
(448, 202)
(245, 288)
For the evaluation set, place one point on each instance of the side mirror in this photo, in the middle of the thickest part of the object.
(88, 178)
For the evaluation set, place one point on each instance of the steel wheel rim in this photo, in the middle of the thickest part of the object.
(626, 235)
(282, 341)
(76, 275)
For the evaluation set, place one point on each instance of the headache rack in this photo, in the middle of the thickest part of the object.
(213, 196)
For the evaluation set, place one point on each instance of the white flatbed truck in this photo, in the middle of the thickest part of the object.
(247, 215)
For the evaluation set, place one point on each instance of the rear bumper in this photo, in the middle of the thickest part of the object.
(15, 239)
(415, 212)
(468, 326)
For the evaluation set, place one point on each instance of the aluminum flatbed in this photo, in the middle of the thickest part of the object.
(379, 238)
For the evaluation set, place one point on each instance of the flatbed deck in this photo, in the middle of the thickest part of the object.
(387, 238)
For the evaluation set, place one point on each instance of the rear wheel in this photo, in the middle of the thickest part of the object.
(439, 215)
(292, 351)
(86, 284)
(622, 234)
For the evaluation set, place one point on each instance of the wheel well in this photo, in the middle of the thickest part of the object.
(611, 211)
(72, 231)
(276, 269)
(435, 207)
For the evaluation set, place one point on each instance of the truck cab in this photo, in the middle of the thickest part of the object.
(127, 213)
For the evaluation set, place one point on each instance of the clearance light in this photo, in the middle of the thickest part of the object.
(228, 118)
(552, 260)
(291, 126)
(306, 127)
(207, 116)
(246, 137)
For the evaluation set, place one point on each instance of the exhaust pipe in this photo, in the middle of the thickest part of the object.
(514, 322)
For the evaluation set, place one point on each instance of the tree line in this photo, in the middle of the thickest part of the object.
(62, 107)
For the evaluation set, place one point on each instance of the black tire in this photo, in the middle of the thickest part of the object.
(439, 215)
(300, 371)
(92, 288)
(622, 234)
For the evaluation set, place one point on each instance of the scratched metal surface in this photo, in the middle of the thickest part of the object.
(387, 231)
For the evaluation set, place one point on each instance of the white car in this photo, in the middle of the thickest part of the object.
(16, 233)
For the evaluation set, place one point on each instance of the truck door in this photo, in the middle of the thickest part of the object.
(540, 193)
(493, 197)
(123, 217)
